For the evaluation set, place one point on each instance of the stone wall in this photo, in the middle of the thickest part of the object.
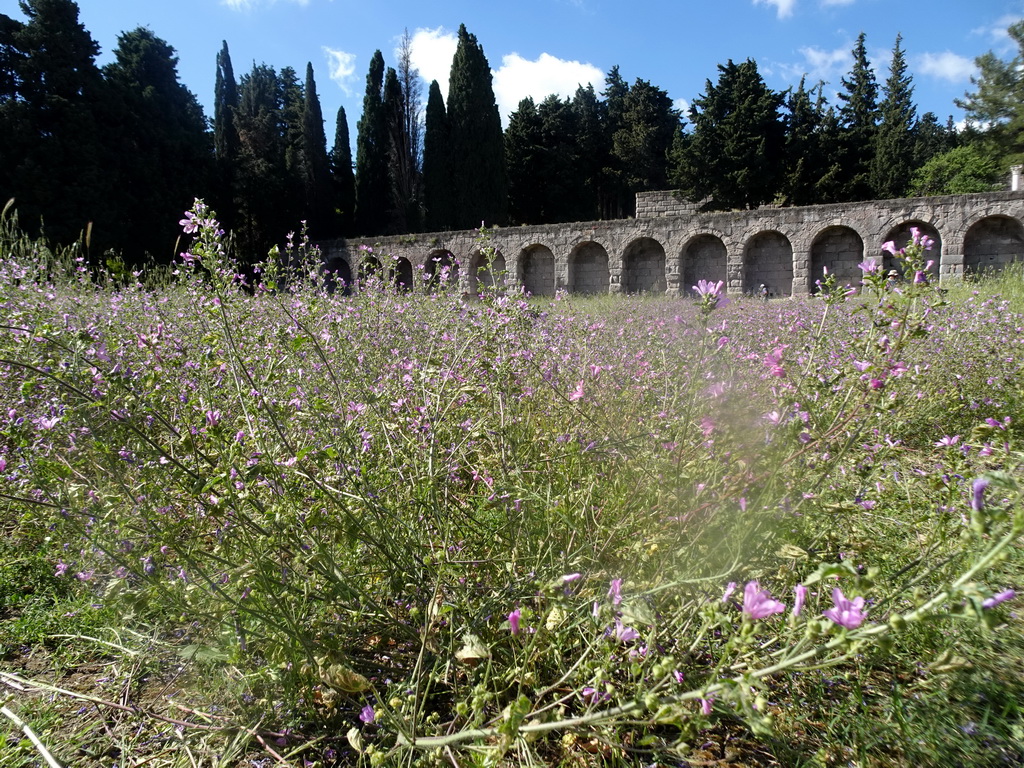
(671, 248)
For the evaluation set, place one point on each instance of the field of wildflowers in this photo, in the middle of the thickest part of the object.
(276, 525)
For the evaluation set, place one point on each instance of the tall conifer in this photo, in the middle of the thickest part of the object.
(858, 117)
(438, 200)
(343, 178)
(893, 161)
(477, 155)
(316, 175)
(372, 183)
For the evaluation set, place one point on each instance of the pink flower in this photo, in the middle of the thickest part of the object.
(623, 633)
(615, 591)
(705, 705)
(513, 621)
(708, 290)
(729, 589)
(846, 613)
(888, 247)
(577, 393)
(367, 715)
(800, 594)
(758, 603)
(870, 266)
(999, 597)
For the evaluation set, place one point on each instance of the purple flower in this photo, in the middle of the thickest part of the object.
(758, 603)
(569, 578)
(367, 715)
(847, 613)
(800, 595)
(577, 393)
(999, 597)
(888, 247)
(513, 621)
(705, 705)
(615, 591)
(870, 266)
(708, 290)
(62, 568)
(623, 633)
(729, 589)
(978, 488)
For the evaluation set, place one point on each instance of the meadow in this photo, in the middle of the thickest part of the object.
(276, 525)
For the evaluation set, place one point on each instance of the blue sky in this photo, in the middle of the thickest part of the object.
(537, 47)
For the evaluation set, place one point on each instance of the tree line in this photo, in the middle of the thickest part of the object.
(123, 148)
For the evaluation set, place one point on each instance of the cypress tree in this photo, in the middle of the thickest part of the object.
(893, 161)
(858, 117)
(438, 200)
(372, 183)
(402, 173)
(343, 178)
(315, 166)
(642, 142)
(616, 195)
(522, 151)
(225, 134)
(809, 161)
(477, 155)
(591, 153)
(292, 103)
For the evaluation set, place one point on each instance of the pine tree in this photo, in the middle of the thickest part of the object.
(372, 181)
(161, 133)
(996, 107)
(641, 144)
(316, 174)
(343, 178)
(616, 199)
(477, 155)
(54, 159)
(592, 150)
(894, 155)
(810, 165)
(522, 151)
(858, 117)
(438, 200)
(735, 154)
(225, 135)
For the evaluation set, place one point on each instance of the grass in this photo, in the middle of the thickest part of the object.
(288, 527)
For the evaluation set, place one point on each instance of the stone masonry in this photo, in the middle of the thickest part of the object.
(670, 245)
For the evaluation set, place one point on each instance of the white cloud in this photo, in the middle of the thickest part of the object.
(683, 106)
(946, 66)
(784, 8)
(432, 54)
(518, 78)
(819, 64)
(341, 67)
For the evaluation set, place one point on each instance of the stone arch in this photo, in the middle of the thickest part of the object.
(841, 250)
(704, 257)
(588, 269)
(486, 272)
(993, 242)
(441, 269)
(536, 270)
(643, 266)
(900, 235)
(401, 274)
(768, 261)
(337, 276)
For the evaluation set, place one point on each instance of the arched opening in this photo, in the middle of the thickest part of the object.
(401, 274)
(369, 271)
(486, 272)
(588, 269)
(768, 261)
(337, 276)
(902, 235)
(537, 270)
(841, 251)
(992, 243)
(704, 258)
(441, 269)
(643, 267)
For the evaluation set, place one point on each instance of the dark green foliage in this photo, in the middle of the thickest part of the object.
(343, 178)
(316, 174)
(931, 138)
(438, 200)
(736, 150)
(403, 215)
(262, 175)
(161, 134)
(998, 101)
(811, 138)
(959, 171)
(591, 150)
(373, 199)
(643, 137)
(225, 134)
(893, 159)
(858, 117)
(523, 155)
(476, 150)
(53, 157)
(616, 201)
